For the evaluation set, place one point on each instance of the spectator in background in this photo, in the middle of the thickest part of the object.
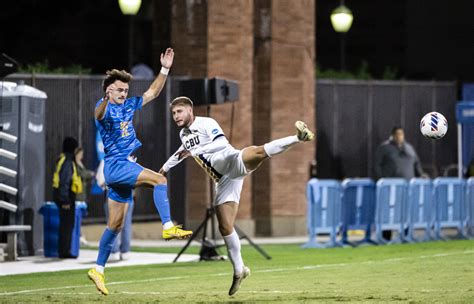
(86, 176)
(66, 185)
(397, 158)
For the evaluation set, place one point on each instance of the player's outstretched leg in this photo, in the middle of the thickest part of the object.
(277, 146)
(303, 132)
(253, 156)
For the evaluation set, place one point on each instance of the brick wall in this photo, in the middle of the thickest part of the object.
(268, 47)
(286, 52)
(230, 55)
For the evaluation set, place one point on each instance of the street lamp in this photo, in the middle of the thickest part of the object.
(130, 8)
(341, 20)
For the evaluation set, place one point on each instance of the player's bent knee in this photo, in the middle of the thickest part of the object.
(162, 180)
(226, 230)
(159, 180)
(115, 227)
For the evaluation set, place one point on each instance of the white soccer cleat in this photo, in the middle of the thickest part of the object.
(114, 257)
(302, 131)
(124, 256)
(237, 280)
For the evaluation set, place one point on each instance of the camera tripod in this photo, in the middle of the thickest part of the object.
(208, 246)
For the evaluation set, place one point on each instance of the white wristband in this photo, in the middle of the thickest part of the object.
(164, 71)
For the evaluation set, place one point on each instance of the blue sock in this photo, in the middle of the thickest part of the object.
(105, 246)
(160, 196)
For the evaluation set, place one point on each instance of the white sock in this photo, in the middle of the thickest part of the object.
(232, 242)
(168, 225)
(278, 146)
(99, 269)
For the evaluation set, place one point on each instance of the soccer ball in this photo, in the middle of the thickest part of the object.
(433, 125)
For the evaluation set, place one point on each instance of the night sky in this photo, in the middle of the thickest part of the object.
(420, 39)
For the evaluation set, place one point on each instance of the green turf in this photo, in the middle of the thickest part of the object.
(410, 273)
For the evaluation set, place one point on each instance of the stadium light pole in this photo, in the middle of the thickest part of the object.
(341, 20)
(130, 8)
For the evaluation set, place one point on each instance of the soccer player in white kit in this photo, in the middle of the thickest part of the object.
(203, 139)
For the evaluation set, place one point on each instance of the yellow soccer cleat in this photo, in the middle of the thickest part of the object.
(176, 232)
(302, 131)
(99, 280)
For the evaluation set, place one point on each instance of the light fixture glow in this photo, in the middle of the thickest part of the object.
(341, 19)
(130, 7)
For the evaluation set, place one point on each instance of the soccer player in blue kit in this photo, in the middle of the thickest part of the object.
(114, 114)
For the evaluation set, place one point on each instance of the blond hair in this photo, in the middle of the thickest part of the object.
(181, 101)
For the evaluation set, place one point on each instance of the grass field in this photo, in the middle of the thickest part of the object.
(410, 273)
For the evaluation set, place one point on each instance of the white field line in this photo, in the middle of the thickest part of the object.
(309, 267)
(178, 292)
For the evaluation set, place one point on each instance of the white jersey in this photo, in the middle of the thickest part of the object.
(206, 142)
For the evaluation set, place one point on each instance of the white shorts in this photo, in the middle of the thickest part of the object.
(229, 187)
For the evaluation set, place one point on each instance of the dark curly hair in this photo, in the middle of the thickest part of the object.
(113, 75)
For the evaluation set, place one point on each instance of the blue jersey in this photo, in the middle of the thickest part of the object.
(116, 128)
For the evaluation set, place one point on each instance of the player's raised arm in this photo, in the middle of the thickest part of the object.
(158, 84)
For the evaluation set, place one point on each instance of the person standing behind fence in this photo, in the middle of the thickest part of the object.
(66, 185)
(397, 158)
(86, 176)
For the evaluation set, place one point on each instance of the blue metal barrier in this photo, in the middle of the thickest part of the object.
(470, 205)
(391, 209)
(421, 213)
(324, 211)
(449, 198)
(358, 205)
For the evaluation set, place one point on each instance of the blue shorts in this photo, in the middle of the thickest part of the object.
(121, 176)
